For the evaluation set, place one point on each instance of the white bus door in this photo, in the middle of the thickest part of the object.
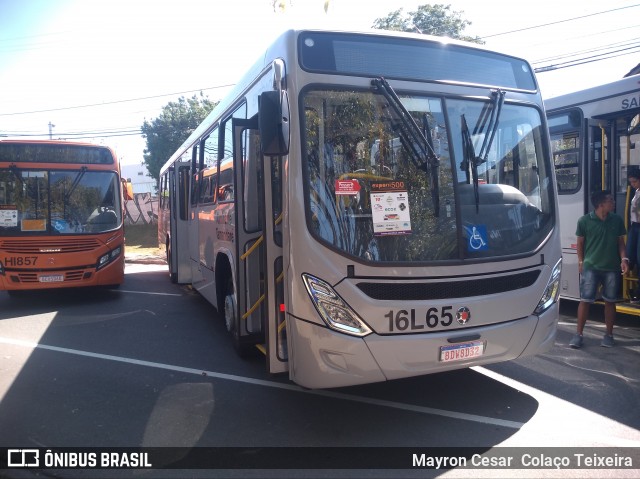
(569, 148)
(600, 168)
(259, 278)
(177, 251)
(194, 219)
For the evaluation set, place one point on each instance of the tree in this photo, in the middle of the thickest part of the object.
(436, 19)
(171, 128)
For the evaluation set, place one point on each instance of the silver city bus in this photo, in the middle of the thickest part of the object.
(594, 138)
(370, 206)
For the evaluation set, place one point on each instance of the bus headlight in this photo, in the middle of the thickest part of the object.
(104, 259)
(116, 252)
(333, 309)
(107, 258)
(552, 290)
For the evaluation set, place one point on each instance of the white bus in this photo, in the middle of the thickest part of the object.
(441, 252)
(595, 138)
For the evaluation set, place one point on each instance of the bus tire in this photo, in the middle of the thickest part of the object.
(172, 276)
(232, 322)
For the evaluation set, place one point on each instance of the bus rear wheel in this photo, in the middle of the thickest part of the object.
(172, 276)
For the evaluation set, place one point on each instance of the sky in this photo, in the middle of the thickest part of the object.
(87, 66)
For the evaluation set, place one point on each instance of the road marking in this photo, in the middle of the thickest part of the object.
(586, 427)
(273, 384)
(146, 292)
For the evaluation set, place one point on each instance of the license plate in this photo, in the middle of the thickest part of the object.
(462, 351)
(51, 278)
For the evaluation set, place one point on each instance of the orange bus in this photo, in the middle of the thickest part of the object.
(61, 215)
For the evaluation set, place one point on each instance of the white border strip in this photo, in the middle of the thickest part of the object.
(273, 384)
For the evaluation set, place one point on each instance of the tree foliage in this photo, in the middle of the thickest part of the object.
(171, 128)
(436, 19)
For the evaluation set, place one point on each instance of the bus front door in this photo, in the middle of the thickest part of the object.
(259, 264)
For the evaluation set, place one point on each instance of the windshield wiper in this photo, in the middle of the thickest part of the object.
(418, 141)
(75, 183)
(489, 118)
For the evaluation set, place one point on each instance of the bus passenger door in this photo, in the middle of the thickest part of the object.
(259, 280)
(194, 220)
(177, 251)
(600, 173)
(568, 150)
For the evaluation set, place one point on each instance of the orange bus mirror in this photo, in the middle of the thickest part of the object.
(127, 190)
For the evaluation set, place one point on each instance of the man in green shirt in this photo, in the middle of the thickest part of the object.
(601, 261)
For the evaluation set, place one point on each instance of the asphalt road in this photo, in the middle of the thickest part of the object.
(150, 365)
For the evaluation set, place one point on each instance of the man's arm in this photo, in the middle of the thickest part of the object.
(624, 264)
(580, 250)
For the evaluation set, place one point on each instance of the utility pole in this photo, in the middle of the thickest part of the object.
(51, 125)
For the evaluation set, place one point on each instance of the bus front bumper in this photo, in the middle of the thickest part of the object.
(322, 358)
(22, 280)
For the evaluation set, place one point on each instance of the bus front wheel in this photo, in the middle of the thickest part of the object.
(232, 322)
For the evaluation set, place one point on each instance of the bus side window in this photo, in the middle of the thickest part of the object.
(225, 188)
(226, 178)
(253, 177)
(208, 188)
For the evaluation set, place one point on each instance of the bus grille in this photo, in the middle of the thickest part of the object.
(25, 277)
(448, 289)
(50, 246)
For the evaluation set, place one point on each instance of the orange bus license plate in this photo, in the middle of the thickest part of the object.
(462, 351)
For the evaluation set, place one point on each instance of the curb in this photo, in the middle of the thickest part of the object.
(143, 259)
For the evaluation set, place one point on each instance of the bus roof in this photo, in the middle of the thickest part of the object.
(275, 49)
(601, 100)
(56, 151)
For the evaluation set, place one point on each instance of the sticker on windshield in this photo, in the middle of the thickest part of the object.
(390, 208)
(347, 187)
(476, 238)
(8, 217)
(34, 225)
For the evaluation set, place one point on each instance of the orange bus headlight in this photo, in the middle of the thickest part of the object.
(333, 309)
(107, 258)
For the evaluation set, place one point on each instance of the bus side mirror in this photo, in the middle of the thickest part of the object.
(273, 122)
(127, 190)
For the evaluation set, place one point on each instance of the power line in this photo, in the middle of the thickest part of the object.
(585, 60)
(74, 136)
(624, 43)
(91, 105)
(559, 21)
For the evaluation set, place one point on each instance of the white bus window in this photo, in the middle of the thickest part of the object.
(566, 158)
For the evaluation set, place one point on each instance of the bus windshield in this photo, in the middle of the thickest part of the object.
(61, 202)
(368, 195)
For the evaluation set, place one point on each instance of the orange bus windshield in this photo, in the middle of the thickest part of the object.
(61, 215)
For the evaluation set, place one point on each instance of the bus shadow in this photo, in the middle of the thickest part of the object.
(40, 301)
(605, 381)
(90, 388)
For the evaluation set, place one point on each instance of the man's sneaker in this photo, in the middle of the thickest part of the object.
(635, 299)
(576, 341)
(607, 341)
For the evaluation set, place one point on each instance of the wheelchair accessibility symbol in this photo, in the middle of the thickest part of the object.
(477, 235)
